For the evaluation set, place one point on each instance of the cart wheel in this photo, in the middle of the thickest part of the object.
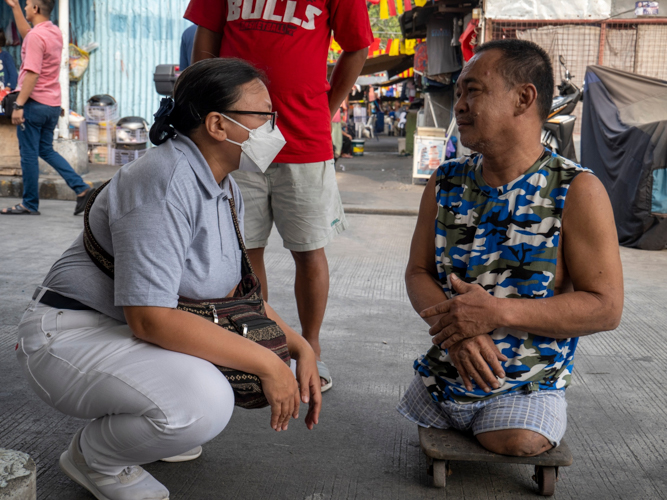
(546, 480)
(440, 468)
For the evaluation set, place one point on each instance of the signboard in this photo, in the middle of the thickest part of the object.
(554, 9)
(646, 8)
(428, 155)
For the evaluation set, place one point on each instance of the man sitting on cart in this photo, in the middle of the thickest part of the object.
(514, 257)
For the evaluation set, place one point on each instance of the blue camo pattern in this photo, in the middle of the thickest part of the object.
(506, 240)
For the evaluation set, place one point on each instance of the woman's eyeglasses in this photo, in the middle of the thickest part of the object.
(272, 114)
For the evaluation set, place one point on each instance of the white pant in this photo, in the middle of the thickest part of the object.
(147, 402)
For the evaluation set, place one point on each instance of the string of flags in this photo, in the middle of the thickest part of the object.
(392, 8)
(393, 47)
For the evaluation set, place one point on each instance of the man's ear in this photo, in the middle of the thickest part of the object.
(215, 126)
(526, 98)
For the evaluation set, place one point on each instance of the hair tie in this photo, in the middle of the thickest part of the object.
(167, 105)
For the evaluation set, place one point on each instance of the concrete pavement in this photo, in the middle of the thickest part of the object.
(362, 448)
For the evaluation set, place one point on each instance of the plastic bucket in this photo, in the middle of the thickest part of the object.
(358, 147)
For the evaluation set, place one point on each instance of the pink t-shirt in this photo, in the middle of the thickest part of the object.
(41, 53)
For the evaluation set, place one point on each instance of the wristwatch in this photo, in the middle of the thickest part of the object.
(16, 107)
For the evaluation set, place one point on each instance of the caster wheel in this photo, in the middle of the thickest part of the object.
(440, 469)
(546, 480)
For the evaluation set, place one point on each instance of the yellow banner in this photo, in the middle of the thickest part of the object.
(384, 9)
(395, 48)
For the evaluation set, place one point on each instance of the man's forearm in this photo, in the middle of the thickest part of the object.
(28, 86)
(571, 314)
(424, 291)
(344, 74)
(206, 44)
(20, 20)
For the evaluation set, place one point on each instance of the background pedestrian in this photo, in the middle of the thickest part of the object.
(37, 106)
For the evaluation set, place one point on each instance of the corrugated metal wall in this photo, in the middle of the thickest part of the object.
(134, 37)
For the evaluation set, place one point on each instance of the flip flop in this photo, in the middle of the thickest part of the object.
(324, 373)
(18, 209)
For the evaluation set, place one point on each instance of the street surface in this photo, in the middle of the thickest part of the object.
(362, 448)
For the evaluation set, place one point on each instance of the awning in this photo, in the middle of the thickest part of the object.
(393, 65)
(371, 80)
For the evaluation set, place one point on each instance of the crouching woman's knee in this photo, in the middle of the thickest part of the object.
(514, 442)
(205, 403)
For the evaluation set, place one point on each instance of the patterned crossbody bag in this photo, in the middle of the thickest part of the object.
(244, 313)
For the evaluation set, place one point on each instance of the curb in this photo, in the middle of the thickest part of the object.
(49, 189)
(404, 212)
(57, 189)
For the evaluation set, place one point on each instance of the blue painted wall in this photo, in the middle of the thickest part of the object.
(134, 37)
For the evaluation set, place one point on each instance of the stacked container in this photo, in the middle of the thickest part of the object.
(131, 139)
(101, 116)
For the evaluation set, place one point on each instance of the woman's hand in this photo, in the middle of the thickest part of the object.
(308, 378)
(306, 369)
(282, 392)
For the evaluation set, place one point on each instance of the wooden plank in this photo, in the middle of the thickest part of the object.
(450, 444)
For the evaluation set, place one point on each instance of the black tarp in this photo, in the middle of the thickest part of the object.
(624, 141)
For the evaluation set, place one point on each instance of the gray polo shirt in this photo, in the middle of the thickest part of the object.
(168, 225)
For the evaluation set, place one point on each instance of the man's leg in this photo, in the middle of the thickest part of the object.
(522, 424)
(46, 151)
(28, 134)
(515, 442)
(311, 289)
(308, 213)
(257, 219)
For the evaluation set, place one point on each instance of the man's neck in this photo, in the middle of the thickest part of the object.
(503, 165)
(39, 20)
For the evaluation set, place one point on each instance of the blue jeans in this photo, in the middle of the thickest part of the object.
(36, 140)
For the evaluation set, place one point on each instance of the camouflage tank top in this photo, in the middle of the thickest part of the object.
(506, 240)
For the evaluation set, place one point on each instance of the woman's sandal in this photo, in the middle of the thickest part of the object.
(18, 209)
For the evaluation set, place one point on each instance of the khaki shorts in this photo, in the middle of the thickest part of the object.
(301, 198)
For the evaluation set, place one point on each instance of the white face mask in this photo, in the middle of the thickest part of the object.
(261, 147)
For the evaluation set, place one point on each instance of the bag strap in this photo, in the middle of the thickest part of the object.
(105, 261)
(100, 257)
(246, 265)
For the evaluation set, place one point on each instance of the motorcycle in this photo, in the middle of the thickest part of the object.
(558, 130)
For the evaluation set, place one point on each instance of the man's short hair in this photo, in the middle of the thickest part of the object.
(45, 7)
(525, 62)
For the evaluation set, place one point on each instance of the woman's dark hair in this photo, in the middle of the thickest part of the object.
(206, 86)
(3, 40)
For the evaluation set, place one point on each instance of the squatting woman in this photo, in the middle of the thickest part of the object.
(116, 349)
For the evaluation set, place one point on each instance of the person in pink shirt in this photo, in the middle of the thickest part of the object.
(37, 106)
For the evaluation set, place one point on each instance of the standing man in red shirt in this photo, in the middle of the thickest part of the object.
(289, 40)
(37, 106)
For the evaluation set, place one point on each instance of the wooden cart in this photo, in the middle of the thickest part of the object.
(443, 446)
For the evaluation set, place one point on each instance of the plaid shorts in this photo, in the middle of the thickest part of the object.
(544, 412)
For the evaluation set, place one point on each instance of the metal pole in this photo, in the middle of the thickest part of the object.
(603, 39)
(63, 24)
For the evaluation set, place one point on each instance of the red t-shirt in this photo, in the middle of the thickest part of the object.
(289, 40)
